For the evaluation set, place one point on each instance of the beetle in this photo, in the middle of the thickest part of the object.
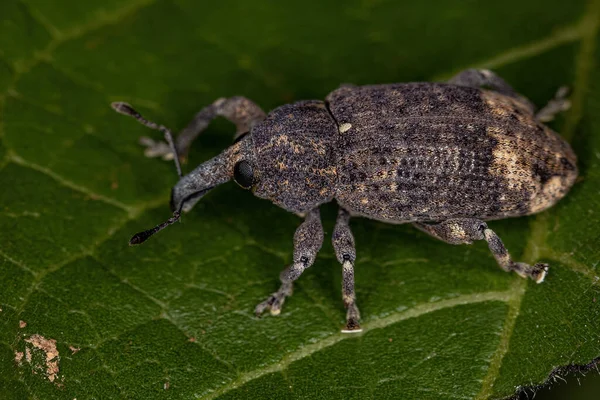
(445, 157)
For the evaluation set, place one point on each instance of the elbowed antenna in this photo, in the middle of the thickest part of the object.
(126, 109)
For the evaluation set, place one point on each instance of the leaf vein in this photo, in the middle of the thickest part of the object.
(71, 185)
(308, 350)
(17, 263)
(41, 20)
(514, 306)
(577, 266)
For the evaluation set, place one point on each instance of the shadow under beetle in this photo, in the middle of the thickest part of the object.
(443, 156)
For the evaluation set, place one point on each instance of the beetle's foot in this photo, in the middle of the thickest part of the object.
(352, 318)
(275, 301)
(156, 148)
(558, 104)
(537, 272)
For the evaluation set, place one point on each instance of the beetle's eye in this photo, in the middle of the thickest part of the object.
(243, 174)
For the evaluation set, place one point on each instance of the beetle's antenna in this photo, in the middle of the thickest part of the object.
(141, 237)
(126, 109)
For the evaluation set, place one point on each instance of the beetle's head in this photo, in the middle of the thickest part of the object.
(235, 162)
(285, 158)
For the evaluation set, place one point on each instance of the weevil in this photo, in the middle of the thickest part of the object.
(445, 157)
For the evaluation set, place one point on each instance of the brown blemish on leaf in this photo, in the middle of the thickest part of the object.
(48, 346)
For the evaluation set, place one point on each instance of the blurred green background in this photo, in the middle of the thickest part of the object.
(573, 387)
(174, 318)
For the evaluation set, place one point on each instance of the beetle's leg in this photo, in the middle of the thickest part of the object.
(307, 243)
(558, 104)
(242, 112)
(466, 230)
(484, 78)
(345, 251)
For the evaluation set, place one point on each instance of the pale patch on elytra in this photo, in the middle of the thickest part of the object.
(504, 106)
(52, 358)
(508, 162)
(551, 191)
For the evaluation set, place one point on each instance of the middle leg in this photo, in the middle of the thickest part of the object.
(345, 251)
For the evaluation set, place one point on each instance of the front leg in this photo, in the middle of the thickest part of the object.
(243, 112)
(467, 230)
(308, 240)
(345, 251)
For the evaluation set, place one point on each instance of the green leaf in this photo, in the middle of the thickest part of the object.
(174, 318)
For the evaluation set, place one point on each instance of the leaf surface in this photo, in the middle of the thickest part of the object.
(174, 318)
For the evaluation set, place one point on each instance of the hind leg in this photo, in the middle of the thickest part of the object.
(486, 79)
(558, 104)
(467, 230)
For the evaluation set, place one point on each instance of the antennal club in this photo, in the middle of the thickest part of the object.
(126, 109)
(141, 237)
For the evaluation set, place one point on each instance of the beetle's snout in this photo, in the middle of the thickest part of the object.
(193, 186)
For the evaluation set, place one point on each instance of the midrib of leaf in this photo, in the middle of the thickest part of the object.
(536, 245)
(513, 296)
(308, 350)
(519, 287)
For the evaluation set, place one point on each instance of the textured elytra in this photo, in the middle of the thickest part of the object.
(429, 152)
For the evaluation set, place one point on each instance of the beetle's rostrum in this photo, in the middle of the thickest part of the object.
(443, 156)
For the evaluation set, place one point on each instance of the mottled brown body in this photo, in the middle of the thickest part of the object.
(444, 156)
(429, 152)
